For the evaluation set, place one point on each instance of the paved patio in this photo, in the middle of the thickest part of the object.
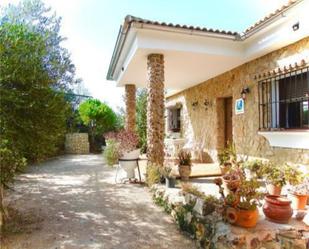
(73, 202)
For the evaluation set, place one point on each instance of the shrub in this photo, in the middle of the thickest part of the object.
(111, 152)
(11, 162)
(153, 174)
(127, 140)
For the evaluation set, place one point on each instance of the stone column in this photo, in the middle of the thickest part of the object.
(155, 109)
(130, 101)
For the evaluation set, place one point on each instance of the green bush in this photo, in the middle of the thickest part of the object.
(141, 118)
(100, 118)
(153, 174)
(10, 163)
(111, 152)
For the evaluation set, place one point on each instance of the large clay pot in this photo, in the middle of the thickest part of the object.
(273, 189)
(243, 218)
(184, 172)
(129, 166)
(277, 209)
(298, 201)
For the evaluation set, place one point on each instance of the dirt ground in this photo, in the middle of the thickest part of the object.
(73, 202)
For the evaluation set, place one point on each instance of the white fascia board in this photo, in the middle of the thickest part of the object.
(168, 41)
(128, 51)
(278, 34)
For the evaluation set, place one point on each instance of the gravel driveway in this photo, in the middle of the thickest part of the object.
(73, 202)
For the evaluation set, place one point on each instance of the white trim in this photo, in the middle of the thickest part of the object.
(287, 139)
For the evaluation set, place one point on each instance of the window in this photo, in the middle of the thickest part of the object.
(284, 101)
(174, 119)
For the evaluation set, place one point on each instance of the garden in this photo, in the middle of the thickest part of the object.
(258, 202)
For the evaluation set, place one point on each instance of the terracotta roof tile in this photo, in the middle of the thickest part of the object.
(272, 15)
(131, 19)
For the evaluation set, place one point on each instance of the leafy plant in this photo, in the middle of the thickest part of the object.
(255, 166)
(141, 118)
(248, 194)
(274, 174)
(184, 158)
(293, 175)
(227, 155)
(191, 189)
(153, 174)
(111, 152)
(301, 188)
(166, 171)
(127, 140)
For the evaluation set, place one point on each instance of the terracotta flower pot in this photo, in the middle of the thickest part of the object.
(277, 209)
(184, 172)
(243, 218)
(298, 201)
(273, 189)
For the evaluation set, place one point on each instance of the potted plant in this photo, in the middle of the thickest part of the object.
(170, 179)
(298, 194)
(241, 205)
(275, 179)
(231, 181)
(245, 214)
(184, 164)
(127, 150)
(226, 157)
(252, 169)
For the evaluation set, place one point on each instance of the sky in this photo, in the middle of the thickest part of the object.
(91, 28)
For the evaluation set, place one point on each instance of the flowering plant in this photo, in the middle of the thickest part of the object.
(301, 188)
(127, 140)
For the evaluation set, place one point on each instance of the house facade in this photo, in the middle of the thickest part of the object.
(208, 88)
(208, 116)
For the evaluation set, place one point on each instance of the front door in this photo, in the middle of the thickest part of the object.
(228, 125)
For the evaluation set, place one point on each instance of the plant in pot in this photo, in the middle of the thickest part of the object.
(127, 150)
(170, 179)
(275, 178)
(231, 180)
(298, 193)
(241, 205)
(184, 164)
(226, 157)
(253, 169)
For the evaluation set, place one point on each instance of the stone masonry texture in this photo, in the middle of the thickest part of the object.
(203, 127)
(130, 101)
(77, 143)
(155, 109)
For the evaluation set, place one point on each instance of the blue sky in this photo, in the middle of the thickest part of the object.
(91, 27)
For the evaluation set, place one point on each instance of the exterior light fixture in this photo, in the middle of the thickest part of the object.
(295, 27)
(194, 104)
(244, 92)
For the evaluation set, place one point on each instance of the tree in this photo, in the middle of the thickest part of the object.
(141, 117)
(99, 117)
(35, 71)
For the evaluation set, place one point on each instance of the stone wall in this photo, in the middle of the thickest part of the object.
(77, 143)
(201, 125)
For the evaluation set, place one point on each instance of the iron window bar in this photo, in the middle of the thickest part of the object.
(283, 100)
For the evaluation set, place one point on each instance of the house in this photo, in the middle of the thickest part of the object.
(208, 88)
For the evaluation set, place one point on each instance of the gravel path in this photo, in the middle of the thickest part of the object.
(73, 202)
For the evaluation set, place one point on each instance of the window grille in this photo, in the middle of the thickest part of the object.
(284, 101)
